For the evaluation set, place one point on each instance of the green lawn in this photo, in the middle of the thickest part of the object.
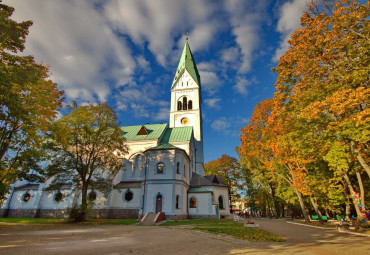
(31, 220)
(228, 227)
(58, 221)
(197, 222)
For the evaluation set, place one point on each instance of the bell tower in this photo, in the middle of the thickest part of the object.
(186, 99)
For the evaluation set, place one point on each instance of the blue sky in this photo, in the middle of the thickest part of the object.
(126, 52)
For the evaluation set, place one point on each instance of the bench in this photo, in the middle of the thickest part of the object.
(315, 217)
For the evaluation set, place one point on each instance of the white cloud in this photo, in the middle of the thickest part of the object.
(230, 55)
(242, 85)
(159, 22)
(143, 102)
(213, 103)
(246, 18)
(230, 126)
(289, 21)
(220, 124)
(211, 83)
(74, 39)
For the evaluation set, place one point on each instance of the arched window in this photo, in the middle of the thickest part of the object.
(177, 202)
(160, 167)
(179, 105)
(92, 196)
(221, 202)
(190, 105)
(193, 202)
(26, 197)
(178, 168)
(58, 197)
(128, 195)
(185, 103)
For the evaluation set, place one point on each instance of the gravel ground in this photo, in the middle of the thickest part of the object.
(118, 239)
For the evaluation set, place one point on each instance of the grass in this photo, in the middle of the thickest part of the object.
(197, 222)
(228, 227)
(250, 234)
(59, 221)
(31, 220)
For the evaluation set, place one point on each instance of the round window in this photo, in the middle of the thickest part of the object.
(92, 196)
(129, 195)
(58, 197)
(26, 197)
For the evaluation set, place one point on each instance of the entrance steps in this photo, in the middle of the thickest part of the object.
(150, 218)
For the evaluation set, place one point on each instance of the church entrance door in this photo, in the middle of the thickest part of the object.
(158, 205)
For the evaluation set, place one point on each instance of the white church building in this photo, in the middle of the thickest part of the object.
(163, 171)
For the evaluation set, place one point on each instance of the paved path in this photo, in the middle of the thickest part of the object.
(110, 239)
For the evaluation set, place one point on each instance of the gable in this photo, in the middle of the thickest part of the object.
(153, 131)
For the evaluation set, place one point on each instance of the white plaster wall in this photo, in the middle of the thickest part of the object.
(179, 190)
(167, 158)
(204, 204)
(117, 198)
(140, 145)
(18, 203)
(48, 200)
(166, 190)
(222, 191)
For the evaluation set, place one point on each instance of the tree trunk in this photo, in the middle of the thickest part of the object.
(348, 211)
(360, 159)
(348, 181)
(362, 190)
(314, 204)
(301, 203)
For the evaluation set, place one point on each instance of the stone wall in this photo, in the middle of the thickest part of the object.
(64, 214)
(51, 213)
(202, 217)
(22, 213)
(177, 217)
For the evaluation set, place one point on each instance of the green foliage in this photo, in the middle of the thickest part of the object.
(29, 102)
(85, 148)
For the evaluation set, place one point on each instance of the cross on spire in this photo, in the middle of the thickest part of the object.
(186, 35)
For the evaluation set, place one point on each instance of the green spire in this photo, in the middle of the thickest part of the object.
(187, 62)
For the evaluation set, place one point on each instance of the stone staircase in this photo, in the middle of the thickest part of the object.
(150, 218)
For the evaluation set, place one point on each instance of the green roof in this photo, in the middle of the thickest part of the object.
(187, 62)
(154, 131)
(179, 134)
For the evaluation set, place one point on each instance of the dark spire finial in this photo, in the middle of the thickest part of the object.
(186, 35)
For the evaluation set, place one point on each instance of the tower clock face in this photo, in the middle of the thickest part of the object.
(184, 121)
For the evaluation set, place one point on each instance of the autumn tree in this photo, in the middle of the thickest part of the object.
(323, 83)
(29, 102)
(85, 148)
(229, 169)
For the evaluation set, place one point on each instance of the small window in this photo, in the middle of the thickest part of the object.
(193, 202)
(179, 106)
(26, 197)
(129, 195)
(178, 167)
(58, 197)
(160, 167)
(185, 103)
(177, 202)
(92, 196)
(184, 171)
(190, 105)
(221, 202)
